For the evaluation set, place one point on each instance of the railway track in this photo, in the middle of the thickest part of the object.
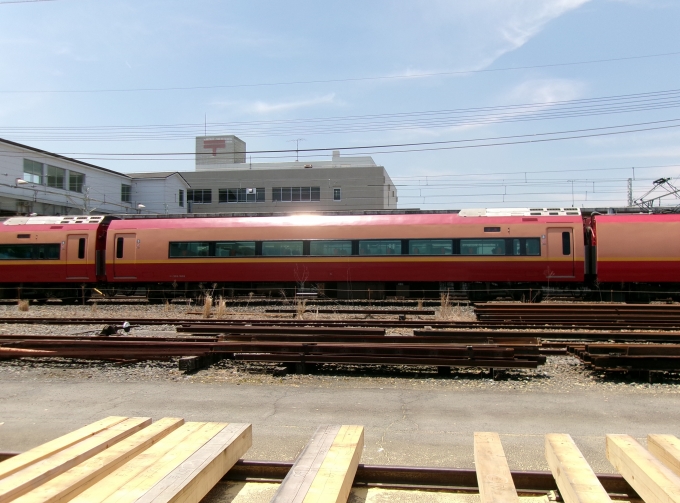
(361, 323)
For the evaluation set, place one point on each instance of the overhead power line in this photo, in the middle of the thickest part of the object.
(421, 146)
(328, 81)
(24, 1)
(605, 105)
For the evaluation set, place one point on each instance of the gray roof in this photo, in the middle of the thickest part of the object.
(158, 174)
(70, 159)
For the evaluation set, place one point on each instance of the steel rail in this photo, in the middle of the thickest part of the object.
(412, 477)
(362, 323)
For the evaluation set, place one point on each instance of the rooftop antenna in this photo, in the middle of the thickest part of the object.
(297, 147)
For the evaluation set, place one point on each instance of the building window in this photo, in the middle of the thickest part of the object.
(244, 195)
(199, 196)
(337, 195)
(180, 198)
(75, 181)
(126, 193)
(55, 177)
(296, 194)
(33, 171)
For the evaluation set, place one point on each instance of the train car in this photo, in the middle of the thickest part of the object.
(638, 255)
(348, 255)
(51, 257)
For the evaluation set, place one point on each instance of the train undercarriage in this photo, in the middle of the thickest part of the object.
(457, 291)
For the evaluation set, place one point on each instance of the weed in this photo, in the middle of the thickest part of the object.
(221, 307)
(22, 305)
(300, 308)
(207, 306)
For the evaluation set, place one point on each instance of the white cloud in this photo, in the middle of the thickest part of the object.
(263, 107)
(530, 17)
(546, 91)
(471, 35)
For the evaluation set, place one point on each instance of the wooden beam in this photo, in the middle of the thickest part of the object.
(574, 476)
(36, 454)
(653, 481)
(134, 478)
(666, 448)
(38, 473)
(493, 473)
(76, 480)
(195, 477)
(325, 469)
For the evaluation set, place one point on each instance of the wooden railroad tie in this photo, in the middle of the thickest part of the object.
(325, 469)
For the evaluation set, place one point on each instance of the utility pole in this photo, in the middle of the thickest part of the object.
(630, 192)
(297, 147)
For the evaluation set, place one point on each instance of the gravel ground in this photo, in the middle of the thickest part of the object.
(559, 374)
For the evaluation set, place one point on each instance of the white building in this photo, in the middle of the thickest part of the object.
(36, 181)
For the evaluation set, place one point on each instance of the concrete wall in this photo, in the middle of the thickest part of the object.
(361, 188)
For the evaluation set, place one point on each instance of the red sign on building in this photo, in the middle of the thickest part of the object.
(214, 145)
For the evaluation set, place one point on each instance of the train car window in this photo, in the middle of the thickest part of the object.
(281, 248)
(482, 246)
(380, 247)
(119, 247)
(492, 229)
(533, 246)
(430, 247)
(190, 249)
(30, 252)
(330, 248)
(526, 246)
(566, 243)
(81, 248)
(235, 249)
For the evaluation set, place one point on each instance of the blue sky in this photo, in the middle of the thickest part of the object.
(360, 74)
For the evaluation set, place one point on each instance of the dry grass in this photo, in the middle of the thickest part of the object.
(445, 308)
(207, 306)
(23, 305)
(300, 308)
(221, 307)
(94, 308)
(167, 307)
(420, 304)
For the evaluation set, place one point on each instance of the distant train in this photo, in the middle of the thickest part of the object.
(482, 254)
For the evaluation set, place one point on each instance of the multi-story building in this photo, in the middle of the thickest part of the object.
(41, 182)
(224, 182)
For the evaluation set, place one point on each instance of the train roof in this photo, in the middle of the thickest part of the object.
(340, 220)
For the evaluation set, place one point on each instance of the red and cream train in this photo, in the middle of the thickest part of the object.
(483, 253)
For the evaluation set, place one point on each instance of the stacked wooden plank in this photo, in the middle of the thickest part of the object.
(617, 357)
(133, 460)
(126, 459)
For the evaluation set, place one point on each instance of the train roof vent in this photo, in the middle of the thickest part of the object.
(520, 212)
(86, 219)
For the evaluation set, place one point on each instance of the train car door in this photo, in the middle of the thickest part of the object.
(77, 259)
(560, 253)
(124, 256)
